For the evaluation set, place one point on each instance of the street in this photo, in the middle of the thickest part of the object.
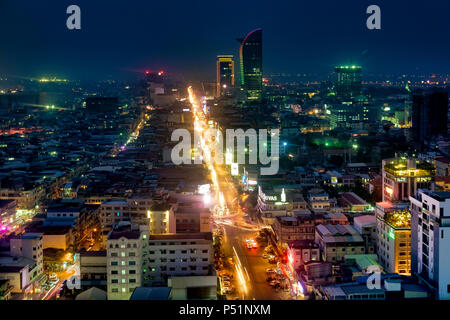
(253, 264)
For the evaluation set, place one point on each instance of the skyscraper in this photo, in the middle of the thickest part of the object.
(251, 64)
(225, 73)
(347, 82)
(429, 114)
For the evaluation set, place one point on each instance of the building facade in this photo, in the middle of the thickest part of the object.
(402, 177)
(430, 248)
(225, 74)
(251, 64)
(394, 237)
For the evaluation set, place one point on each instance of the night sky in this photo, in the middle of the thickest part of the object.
(119, 38)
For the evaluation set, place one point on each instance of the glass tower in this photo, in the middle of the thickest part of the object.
(225, 73)
(348, 82)
(251, 64)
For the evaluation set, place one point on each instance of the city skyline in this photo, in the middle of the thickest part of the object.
(108, 48)
(145, 154)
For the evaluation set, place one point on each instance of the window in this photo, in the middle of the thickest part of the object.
(132, 280)
(124, 280)
(114, 272)
(132, 272)
(113, 254)
(123, 272)
(114, 263)
(132, 254)
(114, 281)
(114, 290)
(131, 263)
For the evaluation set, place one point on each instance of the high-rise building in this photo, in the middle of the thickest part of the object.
(402, 177)
(225, 74)
(430, 240)
(124, 260)
(251, 64)
(429, 114)
(394, 236)
(347, 83)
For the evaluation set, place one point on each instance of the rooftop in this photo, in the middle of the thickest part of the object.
(182, 236)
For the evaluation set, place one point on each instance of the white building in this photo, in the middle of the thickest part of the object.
(30, 245)
(174, 255)
(430, 237)
(124, 254)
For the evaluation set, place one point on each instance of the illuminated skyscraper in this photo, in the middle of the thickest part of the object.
(225, 73)
(251, 64)
(347, 82)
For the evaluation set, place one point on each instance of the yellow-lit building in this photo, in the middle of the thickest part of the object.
(403, 176)
(394, 237)
(225, 74)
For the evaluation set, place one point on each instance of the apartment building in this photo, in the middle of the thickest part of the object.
(294, 228)
(430, 240)
(177, 255)
(336, 241)
(29, 245)
(125, 247)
